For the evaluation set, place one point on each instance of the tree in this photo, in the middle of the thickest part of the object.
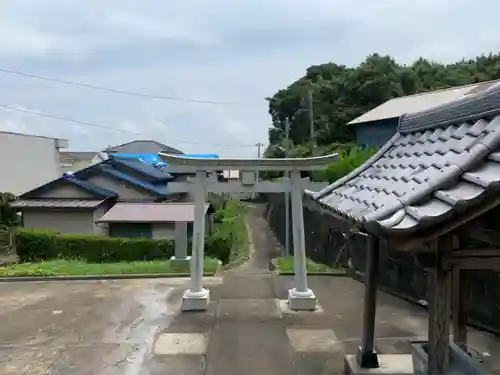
(8, 215)
(343, 93)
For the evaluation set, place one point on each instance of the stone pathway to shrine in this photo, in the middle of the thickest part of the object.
(249, 330)
(134, 327)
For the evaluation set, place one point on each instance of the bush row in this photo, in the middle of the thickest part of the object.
(348, 160)
(229, 239)
(225, 242)
(37, 245)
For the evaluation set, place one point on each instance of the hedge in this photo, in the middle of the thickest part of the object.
(227, 241)
(348, 160)
(37, 245)
(229, 238)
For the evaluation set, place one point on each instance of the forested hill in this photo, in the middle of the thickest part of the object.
(342, 93)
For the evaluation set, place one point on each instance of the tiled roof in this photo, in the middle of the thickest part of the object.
(160, 190)
(441, 162)
(150, 213)
(413, 103)
(142, 147)
(75, 156)
(146, 169)
(56, 203)
(94, 189)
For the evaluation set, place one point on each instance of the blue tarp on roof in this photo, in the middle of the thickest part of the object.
(147, 158)
(200, 156)
(154, 158)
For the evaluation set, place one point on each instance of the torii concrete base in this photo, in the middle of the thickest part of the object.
(390, 364)
(195, 301)
(301, 301)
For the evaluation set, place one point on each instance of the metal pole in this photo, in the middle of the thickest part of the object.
(259, 145)
(287, 193)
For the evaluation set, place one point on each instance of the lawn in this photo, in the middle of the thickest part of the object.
(285, 265)
(79, 268)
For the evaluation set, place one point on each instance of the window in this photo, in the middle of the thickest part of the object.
(131, 230)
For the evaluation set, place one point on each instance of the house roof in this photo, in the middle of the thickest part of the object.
(142, 147)
(155, 172)
(396, 107)
(441, 162)
(71, 179)
(160, 190)
(63, 140)
(56, 203)
(75, 156)
(150, 213)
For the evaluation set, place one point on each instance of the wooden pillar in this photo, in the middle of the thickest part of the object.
(367, 357)
(460, 295)
(439, 311)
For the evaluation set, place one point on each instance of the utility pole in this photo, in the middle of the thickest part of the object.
(259, 145)
(287, 193)
(311, 121)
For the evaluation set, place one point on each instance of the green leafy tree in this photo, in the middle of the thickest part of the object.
(342, 93)
(8, 215)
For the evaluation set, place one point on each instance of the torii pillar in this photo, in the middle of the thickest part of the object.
(197, 297)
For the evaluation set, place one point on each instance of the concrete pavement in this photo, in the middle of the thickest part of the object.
(135, 327)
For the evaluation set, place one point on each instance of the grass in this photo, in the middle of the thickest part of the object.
(79, 268)
(285, 265)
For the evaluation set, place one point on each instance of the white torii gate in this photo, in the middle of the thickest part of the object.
(197, 297)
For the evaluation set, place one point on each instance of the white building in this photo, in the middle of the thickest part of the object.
(28, 161)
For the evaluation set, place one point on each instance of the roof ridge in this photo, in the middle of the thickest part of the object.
(444, 89)
(465, 108)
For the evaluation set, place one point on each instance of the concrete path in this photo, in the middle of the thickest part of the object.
(134, 327)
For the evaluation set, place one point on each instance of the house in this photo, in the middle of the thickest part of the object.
(103, 198)
(142, 147)
(376, 127)
(27, 161)
(75, 160)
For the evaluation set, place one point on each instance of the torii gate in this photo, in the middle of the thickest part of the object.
(196, 297)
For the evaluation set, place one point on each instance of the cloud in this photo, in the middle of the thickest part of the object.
(225, 51)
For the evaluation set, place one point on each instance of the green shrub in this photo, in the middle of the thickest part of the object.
(229, 238)
(37, 245)
(347, 162)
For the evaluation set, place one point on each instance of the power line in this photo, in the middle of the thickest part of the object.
(105, 127)
(115, 91)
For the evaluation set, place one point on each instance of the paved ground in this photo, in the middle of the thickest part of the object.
(134, 327)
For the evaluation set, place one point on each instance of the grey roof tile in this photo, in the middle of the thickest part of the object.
(440, 162)
(56, 203)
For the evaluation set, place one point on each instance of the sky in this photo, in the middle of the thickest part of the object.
(234, 52)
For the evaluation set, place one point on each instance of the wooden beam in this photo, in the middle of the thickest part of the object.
(476, 232)
(439, 311)
(366, 356)
(460, 295)
(479, 253)
(415, 241)
(475, 263)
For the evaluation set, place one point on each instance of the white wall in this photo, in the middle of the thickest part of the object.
(27, 162)
(63, 221)
(163, 231)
